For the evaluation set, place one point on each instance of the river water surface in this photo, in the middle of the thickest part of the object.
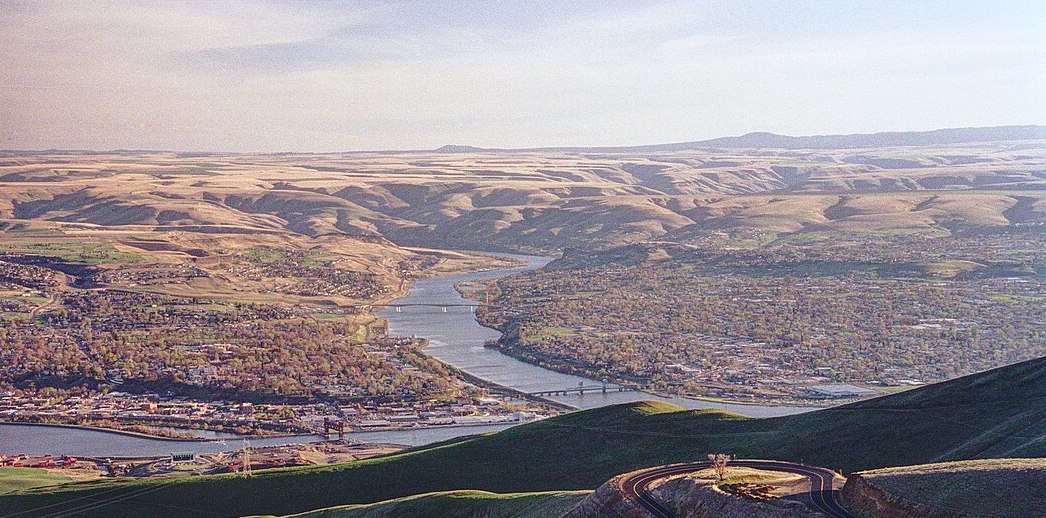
(454, 337)
(79, 442)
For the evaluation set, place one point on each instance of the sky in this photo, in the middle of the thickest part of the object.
(270, 75)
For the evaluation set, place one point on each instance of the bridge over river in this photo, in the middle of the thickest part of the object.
(581, 389)
(455, 337)
(399, 307)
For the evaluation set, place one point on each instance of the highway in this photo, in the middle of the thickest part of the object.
(822, 496)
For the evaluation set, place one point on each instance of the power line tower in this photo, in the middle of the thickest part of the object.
(246, 455)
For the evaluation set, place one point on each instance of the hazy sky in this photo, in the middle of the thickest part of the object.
(313, 76)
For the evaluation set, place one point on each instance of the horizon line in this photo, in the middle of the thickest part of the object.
(466, 148)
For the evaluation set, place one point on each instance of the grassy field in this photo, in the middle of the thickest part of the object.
(265, 255)
(993, 414)
(72, 251)
(460, 504)
(17, 479)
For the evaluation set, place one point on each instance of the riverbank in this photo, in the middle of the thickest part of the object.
(453, 337)
(508, 344)
(80, 442)
(131, 433)
(498, 388)
(456, 338)
(511, 348)
(227, 436)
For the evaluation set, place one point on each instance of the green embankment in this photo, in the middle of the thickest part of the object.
(17, 479)
(999, 413)
(463, 504)
(996, 487)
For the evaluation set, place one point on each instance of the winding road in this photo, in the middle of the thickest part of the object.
(822, 495)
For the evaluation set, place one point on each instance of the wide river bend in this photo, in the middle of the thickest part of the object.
(457, 339)
(454, 337)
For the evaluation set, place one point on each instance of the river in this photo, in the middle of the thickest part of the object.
(454, 337)
(457, 339)
(80, 442)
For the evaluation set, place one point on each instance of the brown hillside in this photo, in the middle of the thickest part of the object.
(538, 200)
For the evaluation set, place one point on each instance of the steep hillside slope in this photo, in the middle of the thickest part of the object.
(998, 488)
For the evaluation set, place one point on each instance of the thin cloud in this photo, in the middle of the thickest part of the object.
(273, 75)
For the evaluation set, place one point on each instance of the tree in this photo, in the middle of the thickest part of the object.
(719, 461)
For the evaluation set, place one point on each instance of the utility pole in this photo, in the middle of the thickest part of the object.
(246, 471)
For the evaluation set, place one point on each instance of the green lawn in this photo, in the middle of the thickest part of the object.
(87, 253)
(17, 479)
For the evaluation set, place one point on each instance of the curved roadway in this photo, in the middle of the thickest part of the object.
(822, 495)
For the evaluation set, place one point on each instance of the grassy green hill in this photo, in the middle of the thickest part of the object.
(999, 413)
(450, 504)
(997, 487)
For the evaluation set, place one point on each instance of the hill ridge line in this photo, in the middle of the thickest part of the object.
(753, 139)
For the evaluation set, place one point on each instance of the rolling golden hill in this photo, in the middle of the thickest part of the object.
(535, 200)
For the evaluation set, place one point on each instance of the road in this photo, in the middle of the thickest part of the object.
(52, 301)
(822, 496)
